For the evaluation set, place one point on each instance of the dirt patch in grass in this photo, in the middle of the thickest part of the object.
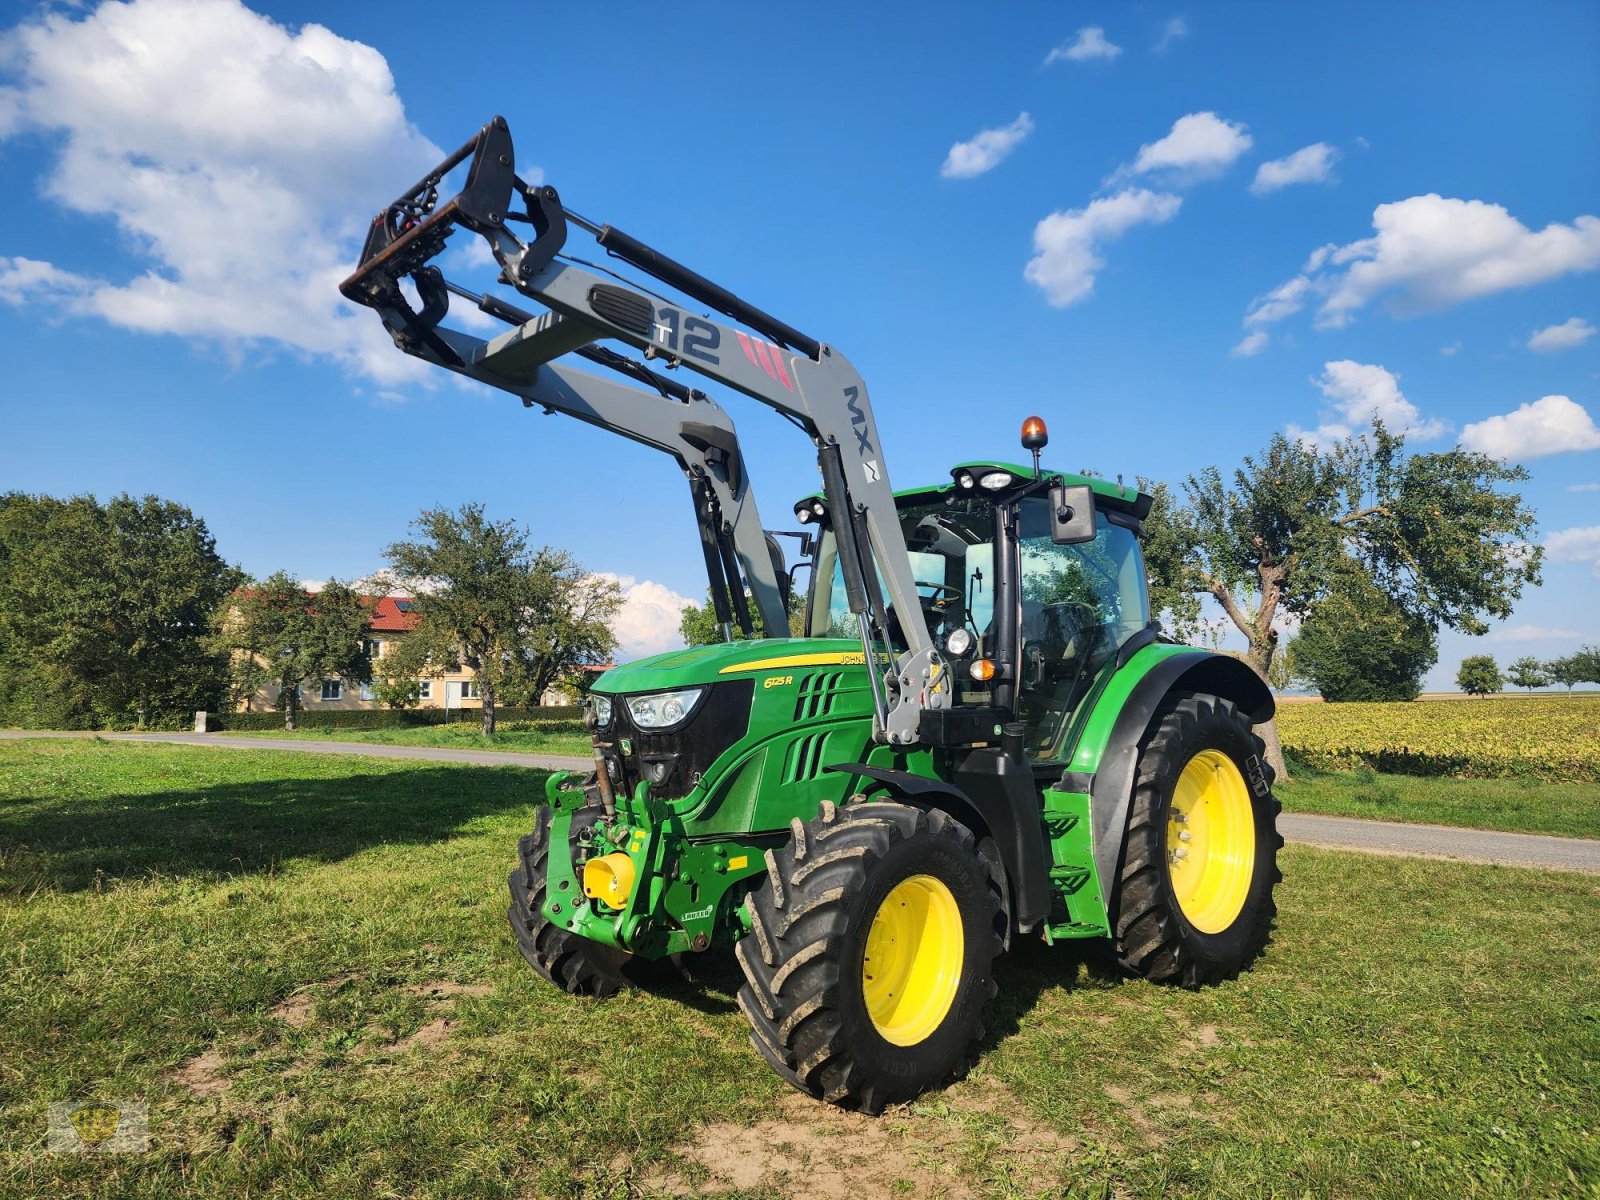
(814, 1150)
(444, 989)
(202, 1074)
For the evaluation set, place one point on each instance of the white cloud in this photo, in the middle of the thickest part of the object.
(1282, 301)
(648, 621)
(1580, 545)
(1066, 244)
(1550, 425)
(1450, 351)
(1199, 146)
(1358, 393)
(1583, 487)
(1089, 43)
(1431, 252)
(1310, 164)
(239, 159)
(1574, 331)
(1251, 345)
(985, 151)
(1175, 30)
(1529, 633)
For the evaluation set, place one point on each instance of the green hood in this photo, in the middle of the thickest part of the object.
(707, 664)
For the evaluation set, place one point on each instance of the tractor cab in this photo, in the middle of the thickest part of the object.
(1032, 631)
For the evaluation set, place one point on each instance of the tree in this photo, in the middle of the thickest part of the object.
(1169, 563)
(1586, 664)
(1527, 673)
(1432, 531)
(1479, 676)
(105, 611)
(1358, 644)
(1564, 671)
(275, 631)
(519, 619)
(698, 625)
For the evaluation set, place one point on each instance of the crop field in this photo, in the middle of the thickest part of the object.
(300, 962)
(1546, 737)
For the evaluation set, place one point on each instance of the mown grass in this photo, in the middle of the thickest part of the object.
(536, 737)
(1417, 1028)
(1516, 805)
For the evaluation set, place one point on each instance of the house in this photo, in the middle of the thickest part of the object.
(392, 618)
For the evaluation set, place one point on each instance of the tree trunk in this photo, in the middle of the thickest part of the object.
(291, 710)
(486, 690)
(1260, 658)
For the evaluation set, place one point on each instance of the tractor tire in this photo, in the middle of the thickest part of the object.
(870, 953)
(1194, 896)
(574, 964)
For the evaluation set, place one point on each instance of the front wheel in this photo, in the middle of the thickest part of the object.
(1194, 903)
(870, 951)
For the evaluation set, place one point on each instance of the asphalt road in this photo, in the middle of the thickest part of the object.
(1343, 833)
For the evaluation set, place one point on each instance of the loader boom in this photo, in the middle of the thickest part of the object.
(805, 380)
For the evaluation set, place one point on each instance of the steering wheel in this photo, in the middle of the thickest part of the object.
(954, 595)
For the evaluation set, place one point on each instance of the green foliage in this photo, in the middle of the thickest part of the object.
(1527, 672)
(378, 718)
(521, 619)
(1565, 671)
(1358, 644)
(1531, 737)
(104, 612)
(1169, 563)
(1432, 530)
(698, 626)
(277, 632)
(1478, 675)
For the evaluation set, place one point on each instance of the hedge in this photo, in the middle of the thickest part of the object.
(390, 718)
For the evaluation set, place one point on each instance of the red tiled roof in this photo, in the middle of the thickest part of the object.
(389, 614)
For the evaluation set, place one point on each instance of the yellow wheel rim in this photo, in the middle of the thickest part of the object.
(1211, 841)
(912, 962)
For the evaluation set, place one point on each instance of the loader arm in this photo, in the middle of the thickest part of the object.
(811, 383)
(682, 422)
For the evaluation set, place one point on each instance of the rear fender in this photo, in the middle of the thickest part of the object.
(1183, 672)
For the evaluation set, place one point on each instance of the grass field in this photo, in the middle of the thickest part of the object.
(1517, 805)
(301, 963)
(536, 737)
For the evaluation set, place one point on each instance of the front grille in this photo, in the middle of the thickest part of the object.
(683, 754)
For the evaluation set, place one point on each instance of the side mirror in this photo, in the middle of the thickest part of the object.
(1071, 514)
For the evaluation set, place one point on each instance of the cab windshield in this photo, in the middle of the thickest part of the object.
(1079, 604)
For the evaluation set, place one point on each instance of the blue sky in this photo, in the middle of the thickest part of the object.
(189, 179)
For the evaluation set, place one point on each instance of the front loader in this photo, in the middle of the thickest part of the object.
(982, 735)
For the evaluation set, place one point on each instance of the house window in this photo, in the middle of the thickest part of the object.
(469, 689)
(424, 689)
(366, 691)
(374, 648)
(332, 689)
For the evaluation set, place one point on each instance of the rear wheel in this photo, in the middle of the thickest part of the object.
(1199, 864)
(574, 964)
(870, 952)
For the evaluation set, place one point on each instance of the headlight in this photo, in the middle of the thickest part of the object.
(995, 480)
(661, 710)
(602, 709)
(958, 643)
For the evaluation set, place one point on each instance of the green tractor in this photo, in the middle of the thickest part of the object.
(982, 735)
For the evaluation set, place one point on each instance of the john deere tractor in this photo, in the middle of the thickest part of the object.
(982, 735)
